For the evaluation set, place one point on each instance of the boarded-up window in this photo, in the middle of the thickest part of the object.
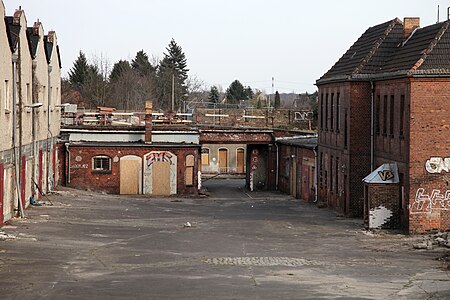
(189, 174)
(205, 157)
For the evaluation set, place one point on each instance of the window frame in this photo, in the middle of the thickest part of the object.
(102, 169)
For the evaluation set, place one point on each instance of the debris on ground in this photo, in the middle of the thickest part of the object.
(187, 224)
(439, 239)
(4, 236)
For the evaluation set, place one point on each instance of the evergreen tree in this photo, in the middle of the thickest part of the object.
(142, 65)
(121, 67)
(214, 94)
(172, 68)
(249, 93)
(235, 92)
(277, 100)
(79, 72)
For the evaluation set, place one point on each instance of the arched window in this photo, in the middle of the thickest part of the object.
(205, 157)
(101, 163)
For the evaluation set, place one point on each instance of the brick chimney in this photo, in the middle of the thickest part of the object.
(148, 121)
(409, 24)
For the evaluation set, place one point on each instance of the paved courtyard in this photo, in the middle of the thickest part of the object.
(230, 245)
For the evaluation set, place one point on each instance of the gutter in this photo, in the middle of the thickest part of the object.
(68, 163)
(316, 197)
(372, 126)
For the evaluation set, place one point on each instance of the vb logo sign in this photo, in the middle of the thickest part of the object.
(386, 175)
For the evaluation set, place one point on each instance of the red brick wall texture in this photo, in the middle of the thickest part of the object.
(83, 176)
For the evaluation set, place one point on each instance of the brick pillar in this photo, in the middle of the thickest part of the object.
(148, 122)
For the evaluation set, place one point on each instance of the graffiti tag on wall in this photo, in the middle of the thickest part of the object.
(428, 203)
(158, 156)
(436, 165)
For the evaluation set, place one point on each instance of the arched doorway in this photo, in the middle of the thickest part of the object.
(240, 161)
(223, 160)
(130, 175)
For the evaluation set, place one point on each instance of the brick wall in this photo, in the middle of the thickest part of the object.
(384, 206)
(82, 175)
(429, 191)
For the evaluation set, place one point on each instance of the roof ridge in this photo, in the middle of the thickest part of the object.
(430, 48)
(376, 46)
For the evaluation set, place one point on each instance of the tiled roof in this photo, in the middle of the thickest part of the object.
(382, 52)
(12, 31)
(33, 41)
(370, 51)
(427, 49)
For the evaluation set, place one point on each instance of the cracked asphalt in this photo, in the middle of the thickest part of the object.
(240, 245)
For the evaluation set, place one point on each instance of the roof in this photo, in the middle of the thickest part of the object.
(33, 40)
(384, 174)
(303, 142)
(382, 52)
(134, 144)
(12, 31)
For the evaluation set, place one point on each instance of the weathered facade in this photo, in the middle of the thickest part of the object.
(297, 167)
(385, 101)
(28, 160)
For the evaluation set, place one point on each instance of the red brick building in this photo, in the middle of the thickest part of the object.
(386, 101)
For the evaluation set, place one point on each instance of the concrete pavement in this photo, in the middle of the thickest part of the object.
(241, 245)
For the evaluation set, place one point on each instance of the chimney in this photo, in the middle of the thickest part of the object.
(148, 121)
(409, 24)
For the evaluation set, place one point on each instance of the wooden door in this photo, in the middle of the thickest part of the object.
(305, 182)
(223, 160)
(2, 191)
(129, 177)
(240, 161)
(293, 178)
(161, 178)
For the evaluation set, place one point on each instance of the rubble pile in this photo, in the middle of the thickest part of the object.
(440, 239)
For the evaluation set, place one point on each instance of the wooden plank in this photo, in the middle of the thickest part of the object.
(161, 178)
(129, 177)
(223, 160)
(240, 160)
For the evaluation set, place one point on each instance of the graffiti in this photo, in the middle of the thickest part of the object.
(436, 165)
(386, 175)
(303, 115)
(159, 156)
(79, 166)
(428, 203)
(379, 216)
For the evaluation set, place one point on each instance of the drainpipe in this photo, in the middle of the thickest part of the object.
(15, 58)
(276, 171)
(49, 132)
(316, 198)
(372, 126)
(68, 164)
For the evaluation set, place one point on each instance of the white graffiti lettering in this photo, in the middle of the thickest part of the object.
(303, 115)
(436, 165)
(428, 203)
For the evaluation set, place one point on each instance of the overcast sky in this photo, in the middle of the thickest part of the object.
(250, 40)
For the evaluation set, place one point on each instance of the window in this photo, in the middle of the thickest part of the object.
(189, 174)
(331, 173)
(336, 180)
(377, 115)
(385, 104)
(28, 99)
(332, 112)
(402, 115)
(326, 111)
(338, 110)
(101, 163)
(6, 94)
(205, 157)
(391, 116)
(321, 111)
